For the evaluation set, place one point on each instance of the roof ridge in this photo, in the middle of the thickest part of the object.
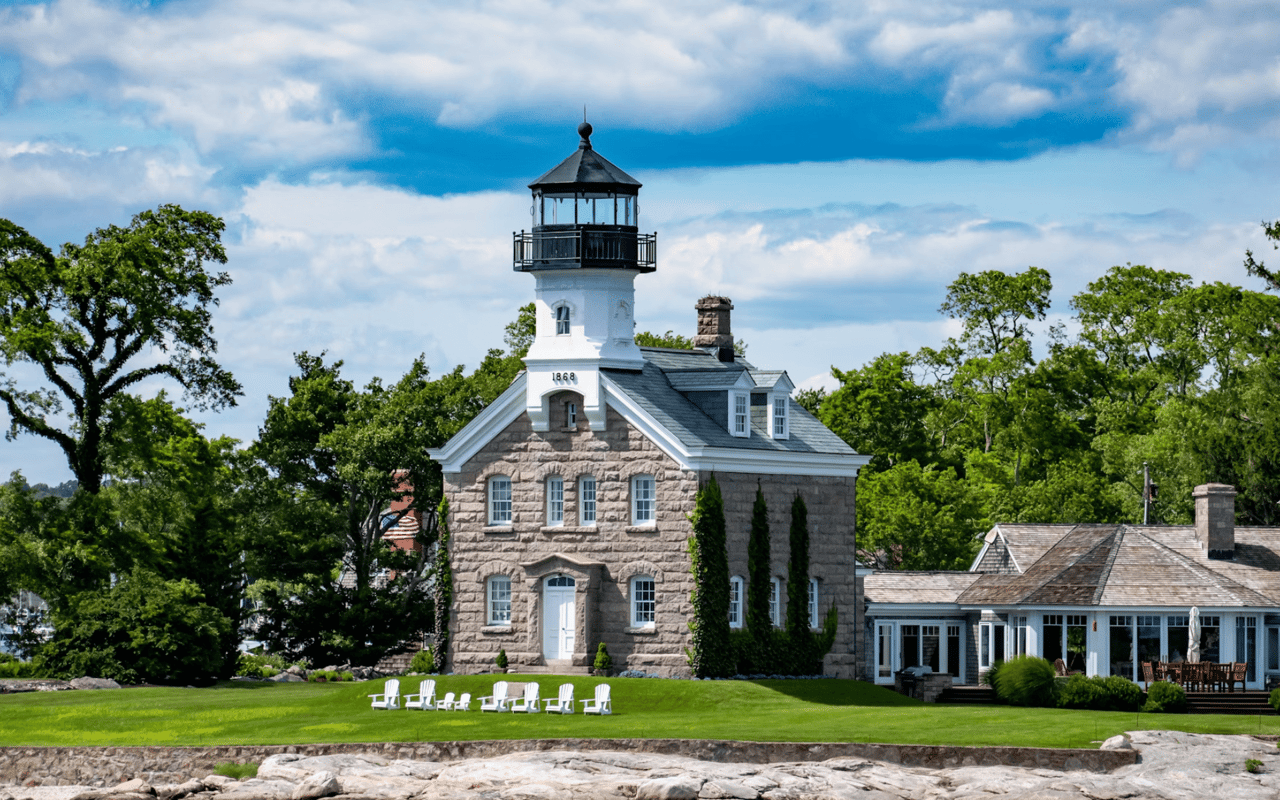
(1201, 569)
(1105, 578)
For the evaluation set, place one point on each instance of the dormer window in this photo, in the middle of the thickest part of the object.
(779, 427)
(562, 320)
(739, 414)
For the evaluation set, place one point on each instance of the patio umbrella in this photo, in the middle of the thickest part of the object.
(1193, 637)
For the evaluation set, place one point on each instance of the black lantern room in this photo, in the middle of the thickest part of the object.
(586, 215)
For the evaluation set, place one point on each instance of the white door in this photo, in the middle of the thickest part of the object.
(558, 617)
(885, 655)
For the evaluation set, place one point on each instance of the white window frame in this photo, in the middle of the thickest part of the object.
(563, 317)
(555, 500)
(500, 494)
(570, 414)
(775, 602)
(644, 500)
(737, 594)
(779, 416)
(497, 601)
(740, 414)
(587, 498)
(644, 601)
(813, 603)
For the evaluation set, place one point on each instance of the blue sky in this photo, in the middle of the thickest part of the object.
(829, 166)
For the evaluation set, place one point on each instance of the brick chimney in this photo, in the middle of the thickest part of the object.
(713, 326)
(1216, 519)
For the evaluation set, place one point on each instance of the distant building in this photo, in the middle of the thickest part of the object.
(1103, 598)
(570, 494)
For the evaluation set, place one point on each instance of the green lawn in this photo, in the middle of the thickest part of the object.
(819, 711)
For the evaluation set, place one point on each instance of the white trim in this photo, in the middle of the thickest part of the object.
(775, 602)
(635, 600)
(652, 500)
(987, 540)
(552, 500)
(737, 582)
(745, 398)
(490, 619)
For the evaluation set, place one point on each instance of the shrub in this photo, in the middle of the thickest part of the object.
(423, 661)
(11, 667)
(1115, 693)
(1165, 697)
(1252, 765)
(501, 660)
(992, 676)
(1274, 699)
(231, 769)
(261, 665)
(145, 629)
(604, 662)
(1026, 681)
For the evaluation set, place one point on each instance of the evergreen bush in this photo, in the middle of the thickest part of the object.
(501, 660)
(804, 661)
(711, 655)
(1026, 681)
(1114, 693)
(1165, 697)
(603, 664)
(758, 577)
(444, 587)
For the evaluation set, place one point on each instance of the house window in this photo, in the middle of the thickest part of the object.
(500, 500)
(953, 651)
(741, 422)
(735, 602)
(813, 603)
(990, 643)
(571, 415)
(775, 602)
(642, 500)
(643, 602)
(587, 500)
(780, 417)
(562, 320)
(555, 500)
(499, 600)
(1019, 636)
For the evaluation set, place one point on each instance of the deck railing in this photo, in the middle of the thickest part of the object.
(590, 248)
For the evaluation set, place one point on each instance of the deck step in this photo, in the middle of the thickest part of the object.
(970, 695)
(1229, 703)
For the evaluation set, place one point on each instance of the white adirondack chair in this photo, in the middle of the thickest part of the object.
(464, 702)
(529, 703)
(496, 701)
(425, 699)
(600, 704)
(446, 704)
(562, 704)
(390, 697)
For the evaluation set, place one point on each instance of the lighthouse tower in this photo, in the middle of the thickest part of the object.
(585, 251)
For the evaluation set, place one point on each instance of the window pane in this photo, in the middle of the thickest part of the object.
(910, 646)
(931, 647)
(1177, 639)
(813, 602)
(555, 500)
(739, 414)
(735, 602)
(780, 417)
(562, 320)
(1122, 647)
(643, 604)
(499, 601)
(587, 500)
(774, 593)
(499, 500)
(953, 651)
(642, 496)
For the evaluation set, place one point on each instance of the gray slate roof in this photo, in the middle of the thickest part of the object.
(653, 391)
(1126, 565)
(917, 587)
(586, 166)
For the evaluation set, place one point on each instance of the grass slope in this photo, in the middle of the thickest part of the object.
(802, 711)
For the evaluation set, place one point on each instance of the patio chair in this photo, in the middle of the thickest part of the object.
(1192, 676)
(1217, 676)
(1148, 672)
(464, 702)
(1239, 671)
(446, 704)
(529, 703)
(425, 698)
(563, 704)
(1060, 668)
(496, 701)
(390, 697)
(600, 704)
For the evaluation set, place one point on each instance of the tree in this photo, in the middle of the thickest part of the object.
(88, 319)
(880, 411)
(443, 606)
(759, 581)
(711, 655)
(1256, 268)
(911, 517)
(799, 635)
(346, 465)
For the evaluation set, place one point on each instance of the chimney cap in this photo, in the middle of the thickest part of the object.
(1206, 489)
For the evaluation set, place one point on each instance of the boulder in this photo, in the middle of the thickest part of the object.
(94, 683)
(678, 787)
(1117, 742)
(135, 786)
(320, 784)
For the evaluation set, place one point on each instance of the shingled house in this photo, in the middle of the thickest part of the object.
(570, 494)
(1103, 598)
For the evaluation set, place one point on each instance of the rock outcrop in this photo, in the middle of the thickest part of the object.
(1171, 766)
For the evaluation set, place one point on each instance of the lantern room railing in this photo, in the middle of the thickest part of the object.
(585, 247)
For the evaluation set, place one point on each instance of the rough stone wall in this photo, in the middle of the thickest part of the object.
(832, 555)
(602, 558)
(109, 766)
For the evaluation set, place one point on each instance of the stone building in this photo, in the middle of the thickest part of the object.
(570, 494)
